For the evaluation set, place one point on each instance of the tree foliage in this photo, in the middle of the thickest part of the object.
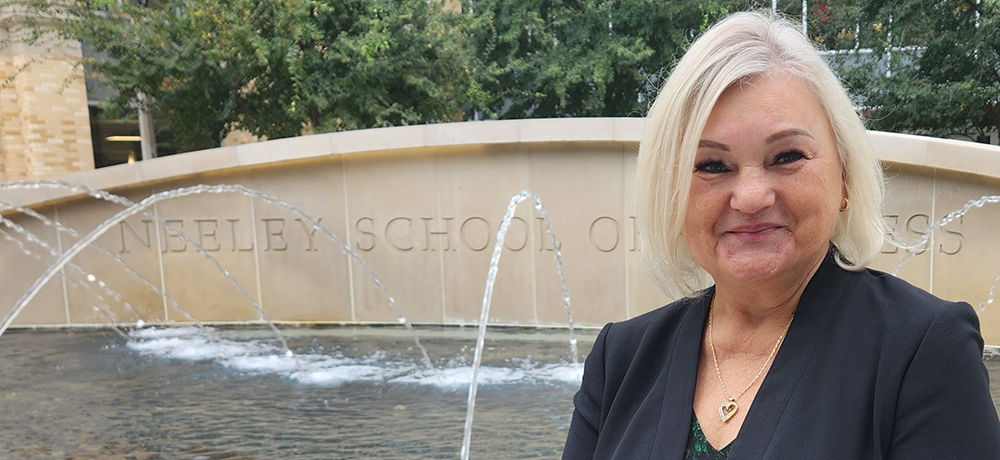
(557, 58)
(938, 73)
(273, 66)
(276, 67)
(395, 62)
(270, 67)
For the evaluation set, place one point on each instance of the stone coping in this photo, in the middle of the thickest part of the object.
(900, 149)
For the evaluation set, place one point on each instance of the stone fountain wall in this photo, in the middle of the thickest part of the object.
(421, 205)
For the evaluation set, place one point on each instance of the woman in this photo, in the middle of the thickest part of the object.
(755, 171)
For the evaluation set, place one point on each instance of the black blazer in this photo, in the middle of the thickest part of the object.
(871, 368)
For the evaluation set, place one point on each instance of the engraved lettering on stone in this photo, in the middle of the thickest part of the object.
(309, 234)
(957, 237)
(635, 233)
(146, 242)
(370, 244)
(175, 226)
(511, 235)
(207, 233)
(446, 224)
(485, 238)
(274, 227)
(409, 231)
(914, 228)
(609, 223)
(544, 242)
(543, 236)
(892, 220)
(235, 237)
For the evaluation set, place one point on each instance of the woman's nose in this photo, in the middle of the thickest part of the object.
(753, 191)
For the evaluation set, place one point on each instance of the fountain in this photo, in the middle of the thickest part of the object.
(254, 355)
(418, 206)
(193, 343)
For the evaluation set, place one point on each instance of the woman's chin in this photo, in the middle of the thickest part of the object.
(761, 265)
(756, 266)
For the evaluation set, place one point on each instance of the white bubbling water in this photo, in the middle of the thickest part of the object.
(332, 369)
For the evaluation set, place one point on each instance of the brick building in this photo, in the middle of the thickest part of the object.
(44, 117)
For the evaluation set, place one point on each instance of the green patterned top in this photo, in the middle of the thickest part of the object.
(698, 447)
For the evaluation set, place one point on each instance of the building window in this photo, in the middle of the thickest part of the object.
(115, 142)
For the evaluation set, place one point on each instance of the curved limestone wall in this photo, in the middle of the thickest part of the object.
(421, 205)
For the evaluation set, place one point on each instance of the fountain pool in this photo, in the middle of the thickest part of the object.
(165, 394)
(354, 393)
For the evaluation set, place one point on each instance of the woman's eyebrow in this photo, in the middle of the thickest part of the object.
(788, 133)
(707, 144)
(791, 132)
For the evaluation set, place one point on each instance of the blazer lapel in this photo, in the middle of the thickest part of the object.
(819, 302)
(676, 383)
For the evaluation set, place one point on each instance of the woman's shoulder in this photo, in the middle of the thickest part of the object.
(637, 349)
(665, 316)
(657, 327)
(932, 385)
(904, 313)
(903, 303)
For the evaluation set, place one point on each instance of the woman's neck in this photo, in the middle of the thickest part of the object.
(753, 305)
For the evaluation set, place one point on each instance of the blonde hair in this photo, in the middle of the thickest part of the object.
(742, 46)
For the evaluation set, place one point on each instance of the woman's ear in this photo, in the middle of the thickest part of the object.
(844, 201)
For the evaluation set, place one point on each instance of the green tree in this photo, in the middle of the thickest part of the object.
(938, 74)
(270, 67)
(558, 58)
(394, 62)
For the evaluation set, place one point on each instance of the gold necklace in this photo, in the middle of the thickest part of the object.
(728, 409)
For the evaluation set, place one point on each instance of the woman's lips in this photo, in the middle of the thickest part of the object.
(754, 233)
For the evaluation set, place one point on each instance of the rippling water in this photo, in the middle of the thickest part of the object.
(347, 393)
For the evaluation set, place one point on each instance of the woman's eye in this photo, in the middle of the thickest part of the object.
(788, 157)
(712, 167)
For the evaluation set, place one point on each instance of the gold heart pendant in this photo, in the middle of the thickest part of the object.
(728, 410)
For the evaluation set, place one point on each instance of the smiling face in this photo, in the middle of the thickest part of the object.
(767, 185)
